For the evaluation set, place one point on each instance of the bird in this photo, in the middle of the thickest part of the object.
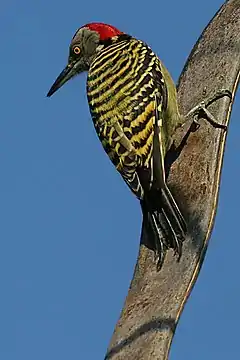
(133, 105)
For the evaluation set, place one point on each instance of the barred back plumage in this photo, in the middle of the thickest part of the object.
(133, 103)
(123, 82)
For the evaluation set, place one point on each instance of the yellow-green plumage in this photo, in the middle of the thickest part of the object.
(133, 103)
(123, 83)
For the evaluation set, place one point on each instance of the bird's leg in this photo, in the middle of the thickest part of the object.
(201, 108)
(198, 110)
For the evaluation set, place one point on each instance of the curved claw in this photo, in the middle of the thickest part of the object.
(202, 108)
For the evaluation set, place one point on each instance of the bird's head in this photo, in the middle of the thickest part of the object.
(85, 44)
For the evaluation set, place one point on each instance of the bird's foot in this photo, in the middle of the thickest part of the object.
(201, 110)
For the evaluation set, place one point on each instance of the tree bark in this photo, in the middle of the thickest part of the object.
(156, 299)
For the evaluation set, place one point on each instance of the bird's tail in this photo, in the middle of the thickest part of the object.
(163, 223)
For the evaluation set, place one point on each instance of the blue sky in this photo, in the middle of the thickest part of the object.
(69, 225)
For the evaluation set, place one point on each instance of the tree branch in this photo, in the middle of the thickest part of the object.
(156, 300)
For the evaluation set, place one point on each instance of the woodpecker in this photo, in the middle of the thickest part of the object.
(133, 104)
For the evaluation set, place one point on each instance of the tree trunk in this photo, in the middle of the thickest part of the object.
(156, 299)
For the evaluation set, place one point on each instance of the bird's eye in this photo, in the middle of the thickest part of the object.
(76, 50)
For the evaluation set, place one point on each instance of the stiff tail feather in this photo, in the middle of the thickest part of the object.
(163, 224)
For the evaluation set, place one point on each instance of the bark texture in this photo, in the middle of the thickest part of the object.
(155, 300)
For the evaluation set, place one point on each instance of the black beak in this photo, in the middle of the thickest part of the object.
(66, 74)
